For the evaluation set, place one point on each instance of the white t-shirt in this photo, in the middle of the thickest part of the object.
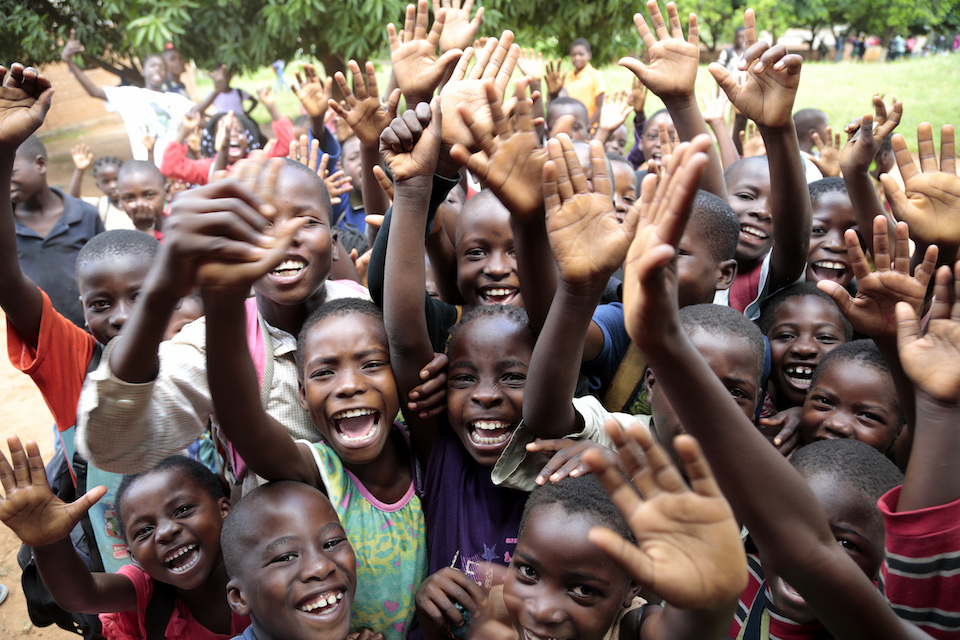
(160, 112)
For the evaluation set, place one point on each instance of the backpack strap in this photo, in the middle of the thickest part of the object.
(159, 609)
(627, 380)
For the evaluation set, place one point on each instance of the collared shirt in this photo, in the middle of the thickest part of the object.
(127, 427)
(585, 87)
(51, 261)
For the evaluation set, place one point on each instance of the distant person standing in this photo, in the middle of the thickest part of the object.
(281, 85)
(730, 57)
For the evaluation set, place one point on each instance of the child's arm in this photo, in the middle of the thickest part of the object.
(933, 364)
(930, 199)
(82, 159)
(855, 160)
(221, 143)
(782, 514)
(766, 96)
(252, 102)
(314, 94)
(715, 113)
(554, 77)
(638, 97)
(177, 164)
(688, 547)
(671, 75)
(415, 64)
(25, 99)
(588, 244)
(405, 280)
(44, 522)
(72, 48)
(530, 64)
(149, 141)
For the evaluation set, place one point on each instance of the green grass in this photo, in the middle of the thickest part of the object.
(844, 90)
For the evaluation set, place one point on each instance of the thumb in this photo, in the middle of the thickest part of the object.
(449, 58)
(85, 502)
(725, 80)
(435, 117)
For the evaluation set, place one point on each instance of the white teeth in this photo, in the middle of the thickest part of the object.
(828, 264)
(322, 602)
(181, 551)
(490, 425)
(353, 413)
(753, 231)
(800, 370)
(364, 438)
(290, 265)
(499, 293)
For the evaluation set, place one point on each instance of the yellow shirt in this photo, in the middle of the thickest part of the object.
(585, 87)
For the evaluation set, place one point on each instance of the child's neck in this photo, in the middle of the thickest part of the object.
(388, 477)
(290, 318)
(41, 211)
(207, 603)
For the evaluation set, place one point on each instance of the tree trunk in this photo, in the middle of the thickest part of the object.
(332, 63)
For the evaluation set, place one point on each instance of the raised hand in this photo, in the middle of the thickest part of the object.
(715, 106)
(458, 30)
(587, 240)
(305, 152)
(411, 144)
(313, 93)
(415, 63)
(650, 270)
(829, 160)
(72, 48)
(638, 95)
(224, 126)
(567, 457)
(554, 76)
(858, 153)
(29, 507)
(530, 63)
(363, 111)
(25, 97)
(933, 361)
(751, 142)
(82, 156)
(672, 71)
(871, 312)
(766, 92)
(266, 97)
(510, 158)
(616, 108)
(429, 398)
(688, 548)
(930, 199)
(148, 139)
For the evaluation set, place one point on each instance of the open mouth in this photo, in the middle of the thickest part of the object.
(182, 559)
(829, 269)
(357, 427)
(288, 269)
(799, 375)
(753, 233)
(498, 295)
(529, 635)
(321, 604)
(487, 434)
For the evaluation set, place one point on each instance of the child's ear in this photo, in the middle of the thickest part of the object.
(236, 599)
(224, 507)
(302, 396)
(41, 164)
(726, 274)
(633, 590)
(649, 380)
(335, 237)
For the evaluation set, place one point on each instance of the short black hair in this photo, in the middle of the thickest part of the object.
(338, 307)
(716, 223)
(118, 243)
(31, 148)
(652, 120)
(133, 167)
(581, 42)
(831, 184)
(241, 524)
(732, 172)
(864, 351)
(103, 162)
(318, 182)
(477, 200)
(195, 471)
(769, 307)
(616, 157)
(718, 319)
(582, 494)
(517, 315)
(806, 119)
(565, 101)
(850, 463)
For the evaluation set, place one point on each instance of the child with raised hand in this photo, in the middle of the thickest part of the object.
(416, 67)
(565, 582)
(610, 128)
(585, 83)
(671, 75)
(770, 258)
(470, 521)
(143, 195)
(105, 176)
(170, 517)
(920, 517)
(783, 514)
(291, 566)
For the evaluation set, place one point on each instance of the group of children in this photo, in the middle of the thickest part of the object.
(563, 394)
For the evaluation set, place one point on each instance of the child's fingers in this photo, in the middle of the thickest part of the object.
(551, 194)
(38, 475)
(839, 295)
(370, 87)
(895, 195)
(21, 470)
(926, 149)
(901, 252)
(955, 312)
(392, 40)
(509, 64)
(701, 477)
(393, 102)
(622, 492)
(524, 107)
(267, 186)
(888, 122)
(483, 56)
(292, 153)
(624, 553)
(881, 251)
(85, 502)
(942, 303)
(555, 149)
(664, 474)
(725, 80)
(501, 123)
(482, 134)
(908, 324)
(578, 179)
(383, 181)
(749, 28)
(924, 273)
(693, 29)
(948, 158)
(638, 68)
(7, 479)
(348, 97)
(460, 71)
(598, 164)
(439, 18)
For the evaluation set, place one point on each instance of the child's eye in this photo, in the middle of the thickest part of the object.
(332, 544)
(848, 545)
(320, 373)
(872, 416)
(526, 571)
(142, 532)
(514, 379)
(463, 380)
(822, 401)
(284, 557)
(744, 196)
(818, 231)
(375, 364)
(583, 591)
(312, 221)
(828, 339)
(475, 253)
(182, 509)
(783, 336)
(738, 393)
(629, 199)
(99, 305)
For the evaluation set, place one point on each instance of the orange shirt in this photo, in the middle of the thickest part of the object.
(585, 87)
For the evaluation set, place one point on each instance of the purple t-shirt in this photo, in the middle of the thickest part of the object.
(468, 518)
(230, 101)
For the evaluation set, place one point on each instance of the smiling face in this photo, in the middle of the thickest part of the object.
(486, 258)
(108, 290)
(579, 57)
(581, 121)
(175, 63)
(348, 386)
(305, 268)
(803, 330)
(732, 360)
(351, 162)
(485, 382)
(617, 142)
(827, 260)
(851, 400)
(142, 196)
(857, 527)
(559, 584)
(624, 188)
(651, 136)
(106, 179)
(297, 579)
(748, 189)
(238, 142)
(154, 72)
(172, 527)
